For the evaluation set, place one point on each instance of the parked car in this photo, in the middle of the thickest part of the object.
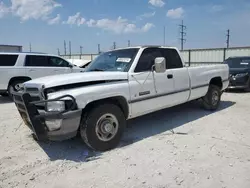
(239, 69)
(16, 68)
(118, 85)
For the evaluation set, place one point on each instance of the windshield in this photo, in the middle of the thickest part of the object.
(238, 63)
(117, 60)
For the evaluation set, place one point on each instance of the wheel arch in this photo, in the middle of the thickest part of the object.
(120, 101)
(23, 78)
(217, 81)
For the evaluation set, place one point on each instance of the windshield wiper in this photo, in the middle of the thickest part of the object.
(96, 70)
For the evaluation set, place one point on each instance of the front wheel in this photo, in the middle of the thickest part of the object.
(211, 100)
(102, 128)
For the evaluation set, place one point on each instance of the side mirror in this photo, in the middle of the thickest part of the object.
(160, 65)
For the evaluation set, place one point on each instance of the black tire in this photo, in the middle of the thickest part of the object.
(12, 87)
(209, 101)
(89, 125)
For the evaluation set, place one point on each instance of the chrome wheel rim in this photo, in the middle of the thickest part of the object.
(215, 98)
(106, 127)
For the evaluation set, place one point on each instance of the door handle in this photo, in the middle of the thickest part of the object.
(170, 76)
(31, 70)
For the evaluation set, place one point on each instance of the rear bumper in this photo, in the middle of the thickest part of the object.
(47, 125)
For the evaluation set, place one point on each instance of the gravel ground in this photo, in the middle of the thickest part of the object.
(183, 146)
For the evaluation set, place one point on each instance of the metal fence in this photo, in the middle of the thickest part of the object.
(192, 57)
(80, 56)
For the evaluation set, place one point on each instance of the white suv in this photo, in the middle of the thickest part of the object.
(17, 68)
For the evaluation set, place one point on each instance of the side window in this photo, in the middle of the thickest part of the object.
(173, 59)
(57, 62)
(36, 61)
(8, 60)
(147, 58)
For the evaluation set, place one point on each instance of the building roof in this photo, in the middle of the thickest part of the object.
(10, 45)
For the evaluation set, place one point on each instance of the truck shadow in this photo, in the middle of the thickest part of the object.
(137, 130)
(167, 120)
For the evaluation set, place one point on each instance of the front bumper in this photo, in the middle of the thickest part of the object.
(239, 83)
(37, 120)
(238, 87)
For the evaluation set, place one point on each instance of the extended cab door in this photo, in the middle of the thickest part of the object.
(180, 76)
(149, 90)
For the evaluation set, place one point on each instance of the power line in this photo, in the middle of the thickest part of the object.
(228, 38)
(183, 33)
(65, 48)
(30, 47)
(99, 48)
(81, 52)
(70, 48)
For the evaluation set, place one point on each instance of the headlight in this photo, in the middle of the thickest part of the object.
(241, 74)
(55, 106)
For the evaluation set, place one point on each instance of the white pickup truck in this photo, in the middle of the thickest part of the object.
(118, 85)
(16, 68)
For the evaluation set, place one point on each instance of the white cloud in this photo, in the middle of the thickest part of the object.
(91, 23)
(75, 20)
(147, 27)
(157, 3)
(217, 8)
(33, 9)
(175, 13)
(3, 10)
(118, 26)
(146, 15)
(55, 20)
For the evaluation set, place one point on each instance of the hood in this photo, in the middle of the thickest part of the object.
(238, 70)
(76, 78)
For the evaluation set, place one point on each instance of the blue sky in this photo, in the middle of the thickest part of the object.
(47, 23)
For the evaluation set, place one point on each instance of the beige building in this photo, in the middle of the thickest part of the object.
(10, 48)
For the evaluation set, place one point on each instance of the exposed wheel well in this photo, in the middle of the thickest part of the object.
(217, 81)
(119, 101)
(22, 78)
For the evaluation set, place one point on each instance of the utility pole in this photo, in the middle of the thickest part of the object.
(70, 48)
(228, 38)
(81, 52)
(183, 34)
(99, 48)
(164, 36)
(30, 47)
(128, 43)
(114, 45)
(58, 51)
(65, 48)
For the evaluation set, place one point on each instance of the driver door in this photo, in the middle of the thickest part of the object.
(149, 90)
